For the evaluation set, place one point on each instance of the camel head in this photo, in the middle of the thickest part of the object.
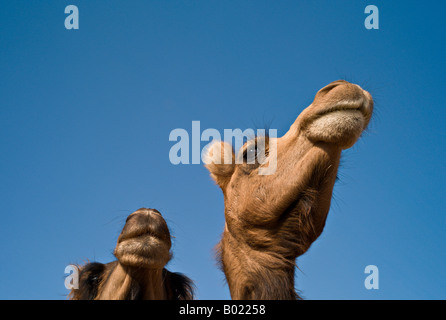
(139, 273)
(274, 218)
(144, 240)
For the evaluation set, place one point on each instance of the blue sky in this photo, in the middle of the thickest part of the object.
(85, 117)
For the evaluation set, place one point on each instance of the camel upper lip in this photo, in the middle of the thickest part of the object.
(343, 107)
(143, 229)
(143, 233)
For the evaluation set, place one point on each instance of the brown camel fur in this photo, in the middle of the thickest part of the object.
(273, 219)
(142, 251)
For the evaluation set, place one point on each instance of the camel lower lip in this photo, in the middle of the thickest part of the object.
(340, 109)
(141, 236)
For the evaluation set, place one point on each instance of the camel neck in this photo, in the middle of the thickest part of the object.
(129, 283)
(255, 274)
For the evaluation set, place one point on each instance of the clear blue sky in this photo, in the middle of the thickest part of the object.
(85, 117)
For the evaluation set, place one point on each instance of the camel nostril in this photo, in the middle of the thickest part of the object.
(148, 211)
(330, 86)
(154, 212)
(338, 82)
(144, 212)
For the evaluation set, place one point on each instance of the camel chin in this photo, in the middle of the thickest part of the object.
(343, 128)
(144, 240)
(145, 251)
